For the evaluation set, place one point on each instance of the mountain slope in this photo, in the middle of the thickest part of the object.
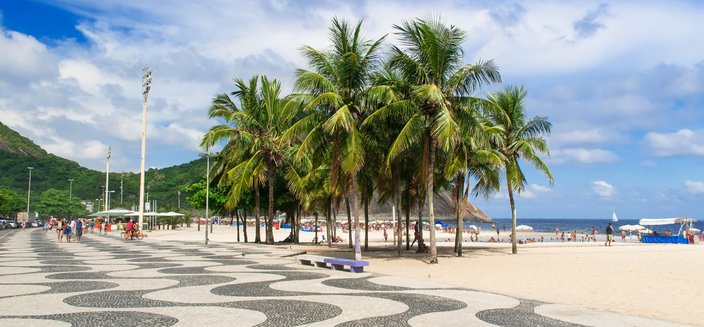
(18, 152)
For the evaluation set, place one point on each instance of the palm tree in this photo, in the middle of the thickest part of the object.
(431, 61)
(237, 130)
(332, 94)
(258, 132)
(520, 139)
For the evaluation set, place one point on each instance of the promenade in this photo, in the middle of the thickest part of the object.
(105, 281)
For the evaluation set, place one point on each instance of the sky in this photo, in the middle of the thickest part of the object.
(621, 81)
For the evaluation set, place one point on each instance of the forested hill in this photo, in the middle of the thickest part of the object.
(18, 152)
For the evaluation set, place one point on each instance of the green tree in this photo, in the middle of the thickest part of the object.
(520, 139)
(10, 202)
(334, 93)
(430, 61)
(256, 130)
(57, 203)
(217, 197)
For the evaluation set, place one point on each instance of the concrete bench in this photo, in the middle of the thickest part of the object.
(339, 264)
(312, 260)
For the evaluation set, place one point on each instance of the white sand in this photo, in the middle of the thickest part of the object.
(653, 280)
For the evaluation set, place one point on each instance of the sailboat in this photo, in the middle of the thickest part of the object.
(613, 217)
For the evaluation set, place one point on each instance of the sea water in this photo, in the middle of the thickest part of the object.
(566, 225)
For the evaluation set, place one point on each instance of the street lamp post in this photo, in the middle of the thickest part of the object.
(207, 192)
(70, 188)
(146, 86)
(70, 192)
(121, 180)
(107, 207)
(29, 190)
(107, 174)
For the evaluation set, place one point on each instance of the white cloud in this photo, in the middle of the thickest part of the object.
(196, 48)
(682, 142)
(23, 57)
(580, 136)
(603, 189)
(90, 149)
(582, 155)
(534, 190)
(694, 187)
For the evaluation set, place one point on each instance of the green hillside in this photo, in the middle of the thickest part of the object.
(18, 152)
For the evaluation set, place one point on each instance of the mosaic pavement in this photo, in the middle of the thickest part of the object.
(104, 281)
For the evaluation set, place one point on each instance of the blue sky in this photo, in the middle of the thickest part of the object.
(622, 82)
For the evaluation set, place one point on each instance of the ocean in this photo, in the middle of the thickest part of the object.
(581, 225)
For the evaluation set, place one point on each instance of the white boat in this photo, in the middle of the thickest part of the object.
(613, 217)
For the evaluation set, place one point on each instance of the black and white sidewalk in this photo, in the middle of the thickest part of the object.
(106, 281)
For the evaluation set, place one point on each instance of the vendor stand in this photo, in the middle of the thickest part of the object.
(680, 238)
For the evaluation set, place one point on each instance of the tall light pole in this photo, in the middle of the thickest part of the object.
(107, 173)
(29, 190)
(146, 86)
(207, 192)
(107, 208)
(70, 191)
(121, 180)
(70, 188)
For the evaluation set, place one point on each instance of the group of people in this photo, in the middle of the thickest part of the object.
(68, 228)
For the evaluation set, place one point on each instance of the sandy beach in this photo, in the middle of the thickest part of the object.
(652, 280)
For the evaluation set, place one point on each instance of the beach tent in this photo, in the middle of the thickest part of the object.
(665, 221)
(679, 238)
(112, 212)
(170, 214)
(631, 228)
(524, 228)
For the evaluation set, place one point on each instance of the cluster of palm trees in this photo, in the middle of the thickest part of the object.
(362, 126)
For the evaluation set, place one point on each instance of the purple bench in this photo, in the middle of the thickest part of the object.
(339, 264)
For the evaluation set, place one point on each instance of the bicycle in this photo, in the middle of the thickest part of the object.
(132, 235)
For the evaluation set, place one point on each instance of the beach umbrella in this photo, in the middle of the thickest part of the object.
(474, 227)
(625, 227)
(114, 212)
(524, 228)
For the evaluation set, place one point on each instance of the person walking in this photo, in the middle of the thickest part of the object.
(609, 235)
(67, 231)
(60, 230)
(73, 227)
(416, 235)
(79, 230)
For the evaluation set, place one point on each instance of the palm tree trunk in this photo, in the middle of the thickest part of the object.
(298, 223)
(349, 220)
(328, 222)
(431, 210)
(237, 215)
(316, 226)
(408, 226)
(460, 205)
(366, 224)
(514, 247)
(407, 209)
(244, 226)
(270, 229)
(257, 231)
(355, 212)
(396, 187)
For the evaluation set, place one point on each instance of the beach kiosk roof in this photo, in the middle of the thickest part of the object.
(112, 212)
(664, 221)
